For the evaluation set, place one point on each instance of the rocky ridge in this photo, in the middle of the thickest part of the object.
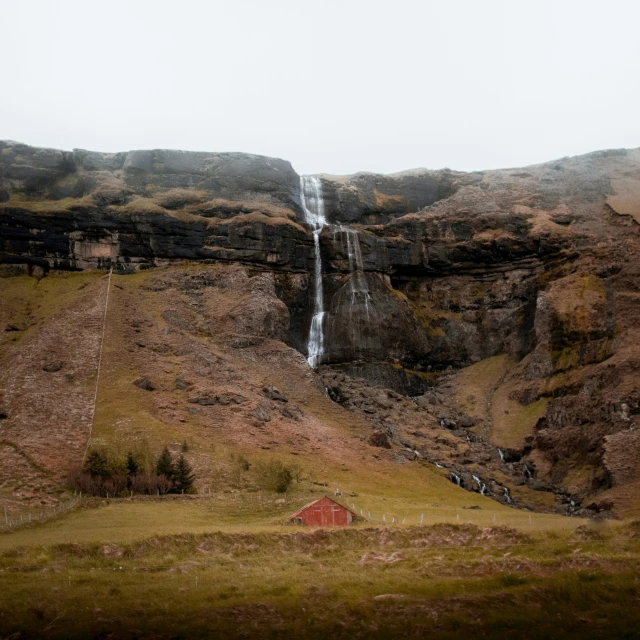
(538, 265)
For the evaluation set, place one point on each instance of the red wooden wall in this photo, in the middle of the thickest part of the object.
(325, 513)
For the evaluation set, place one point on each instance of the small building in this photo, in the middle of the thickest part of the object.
(324, 513)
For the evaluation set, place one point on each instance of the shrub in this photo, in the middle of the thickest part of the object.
(110, 474)
(150, 485)
(115, 485)
(273, 475)
(97, 464)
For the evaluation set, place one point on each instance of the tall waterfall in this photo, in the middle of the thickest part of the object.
(313, 209)
(358, 281)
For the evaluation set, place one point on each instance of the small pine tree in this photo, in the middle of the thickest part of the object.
(185, 447)
(183, 476)
(165, 464)
(97, 465)
(132, 465)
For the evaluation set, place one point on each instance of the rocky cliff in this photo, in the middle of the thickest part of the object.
(508, 297)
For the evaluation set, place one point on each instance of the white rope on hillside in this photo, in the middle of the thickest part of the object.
(95, 395)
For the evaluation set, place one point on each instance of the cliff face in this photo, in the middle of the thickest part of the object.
(426, 276)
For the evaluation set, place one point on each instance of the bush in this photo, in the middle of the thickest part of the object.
(109, 474)
(150, 485)
(97, 464)
(273, 476)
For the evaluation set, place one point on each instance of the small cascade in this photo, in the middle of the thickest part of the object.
(501, 454)
(358, 281)
(482, 486)
(506, 495)
(313, 209)
(438, 465)
(528, 471)
(454, 478)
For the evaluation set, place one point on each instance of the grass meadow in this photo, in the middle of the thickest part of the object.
(231, 566)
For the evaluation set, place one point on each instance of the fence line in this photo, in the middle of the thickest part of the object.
(11, 522)
(95, 395)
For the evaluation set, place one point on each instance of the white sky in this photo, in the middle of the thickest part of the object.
(336, 86)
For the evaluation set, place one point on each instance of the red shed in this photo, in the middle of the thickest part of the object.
(324, 513)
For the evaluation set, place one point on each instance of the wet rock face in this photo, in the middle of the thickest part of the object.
(366, 321)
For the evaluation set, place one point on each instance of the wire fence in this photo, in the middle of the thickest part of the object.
(12, 520)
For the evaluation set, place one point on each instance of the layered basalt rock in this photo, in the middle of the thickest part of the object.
(453, 268)
(81, 209)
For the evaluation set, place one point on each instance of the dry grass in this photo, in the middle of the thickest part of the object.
(511, 421)
(444, 580)
(475, 384)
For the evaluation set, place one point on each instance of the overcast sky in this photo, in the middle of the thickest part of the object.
(333, 86)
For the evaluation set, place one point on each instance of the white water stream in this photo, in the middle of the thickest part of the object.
(313, 209)
(358, 282)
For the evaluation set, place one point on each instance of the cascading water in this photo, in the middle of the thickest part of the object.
(481, 485)
(313, 209)
(358, 281)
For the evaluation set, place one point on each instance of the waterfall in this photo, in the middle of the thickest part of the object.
(506, 494)
(454, 478)
(501, 455)
(313, 209)
(481, 485)
(358, 281)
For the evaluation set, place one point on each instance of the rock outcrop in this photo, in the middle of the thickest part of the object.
(425, 273)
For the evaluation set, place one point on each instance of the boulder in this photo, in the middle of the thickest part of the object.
(380, 438)
(53, 367)
(274, 394)
(204, 401)
(261, 414)
(144, 383)
(183, 384)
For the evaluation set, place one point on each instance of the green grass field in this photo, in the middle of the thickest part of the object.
(230, 566)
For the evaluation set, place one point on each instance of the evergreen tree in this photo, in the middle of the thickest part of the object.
(97, 465)
(183, 476)
(165, 464)
(132, 465)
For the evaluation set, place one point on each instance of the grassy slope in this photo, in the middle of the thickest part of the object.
(126, 413)
(127, 416)
(254, 587)
(447, 581)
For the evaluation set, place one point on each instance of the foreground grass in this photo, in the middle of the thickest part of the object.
(438, 581)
